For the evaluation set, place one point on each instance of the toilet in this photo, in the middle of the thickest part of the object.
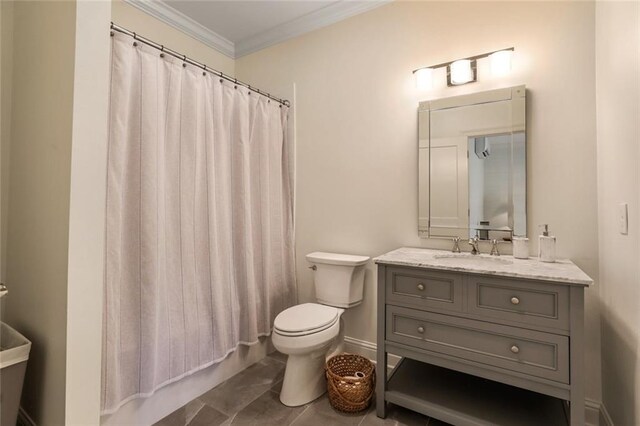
(307, 331)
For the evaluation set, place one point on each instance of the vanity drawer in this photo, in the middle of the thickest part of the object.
(424, 289)
(526, 302)
(530, 352)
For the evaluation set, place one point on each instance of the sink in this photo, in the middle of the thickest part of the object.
(469, 259)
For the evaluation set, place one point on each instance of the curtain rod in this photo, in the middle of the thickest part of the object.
(185, 59)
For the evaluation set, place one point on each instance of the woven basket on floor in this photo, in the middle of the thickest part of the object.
(351, 381)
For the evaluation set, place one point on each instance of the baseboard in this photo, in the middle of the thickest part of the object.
(367, 350)
(24, 419)
(595, 412)
(605, 418)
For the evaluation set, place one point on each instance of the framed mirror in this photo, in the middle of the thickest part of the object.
(472, 165)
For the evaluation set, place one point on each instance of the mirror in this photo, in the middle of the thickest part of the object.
(472, 165)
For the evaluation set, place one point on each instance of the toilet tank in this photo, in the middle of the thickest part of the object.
(339, 278)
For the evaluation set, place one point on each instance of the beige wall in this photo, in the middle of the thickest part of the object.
(618, 114)
(356, 131)
(147, 26)
(6, 71)
(37, 241)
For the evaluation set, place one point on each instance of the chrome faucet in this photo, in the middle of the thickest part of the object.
(473, 242)
(494, 248)
(456, 247)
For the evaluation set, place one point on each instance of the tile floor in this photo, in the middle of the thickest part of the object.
(251, 398)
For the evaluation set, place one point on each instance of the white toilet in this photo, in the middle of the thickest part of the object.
(306, 332)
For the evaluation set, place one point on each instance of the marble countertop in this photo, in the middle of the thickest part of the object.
(562, 270)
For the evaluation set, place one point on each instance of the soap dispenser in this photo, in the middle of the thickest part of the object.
(547, 246)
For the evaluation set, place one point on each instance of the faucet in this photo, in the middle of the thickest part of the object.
(494, 248)
(456, 247)
(473, 242)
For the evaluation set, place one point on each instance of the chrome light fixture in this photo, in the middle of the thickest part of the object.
(424, 78)
(501, 62)
(463, 71)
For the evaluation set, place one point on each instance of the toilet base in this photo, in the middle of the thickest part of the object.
(304, 379)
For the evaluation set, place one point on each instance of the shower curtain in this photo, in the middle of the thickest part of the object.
(199, 231)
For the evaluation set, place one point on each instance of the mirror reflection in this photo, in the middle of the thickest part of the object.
(472, 165)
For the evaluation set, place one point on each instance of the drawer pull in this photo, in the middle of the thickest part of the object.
(515, 349)
(421, 287)
(515, 301)
(420, 329)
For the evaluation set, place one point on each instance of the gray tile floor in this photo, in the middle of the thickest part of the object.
(251, 398)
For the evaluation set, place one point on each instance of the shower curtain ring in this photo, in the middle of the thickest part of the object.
(162, 50)
(184, 61)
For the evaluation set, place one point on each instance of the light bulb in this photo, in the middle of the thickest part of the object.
(501, 62)
(424, 78)
(461, 71)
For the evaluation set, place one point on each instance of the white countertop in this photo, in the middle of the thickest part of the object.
(562, 270)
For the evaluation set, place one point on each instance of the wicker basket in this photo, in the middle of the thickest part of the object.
(351, 381)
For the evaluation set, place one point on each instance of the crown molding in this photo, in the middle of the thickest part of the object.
(312, 21)
(320, 18)
(165, 13)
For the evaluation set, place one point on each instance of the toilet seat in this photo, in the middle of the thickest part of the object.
(305, 319)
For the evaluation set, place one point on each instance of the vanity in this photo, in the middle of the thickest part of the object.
(483, 340)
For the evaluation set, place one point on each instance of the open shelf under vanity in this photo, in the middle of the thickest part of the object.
(460, 398)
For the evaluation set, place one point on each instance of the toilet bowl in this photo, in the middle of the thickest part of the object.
(307, 331)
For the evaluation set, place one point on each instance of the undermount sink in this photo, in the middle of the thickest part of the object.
(466, 258)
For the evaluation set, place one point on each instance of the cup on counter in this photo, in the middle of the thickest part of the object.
(521, 247)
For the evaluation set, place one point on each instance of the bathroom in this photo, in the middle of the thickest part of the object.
(346, 69)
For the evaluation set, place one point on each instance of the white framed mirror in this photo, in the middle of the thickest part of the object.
(472, 165)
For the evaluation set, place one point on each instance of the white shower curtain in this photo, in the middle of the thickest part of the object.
(199, 246)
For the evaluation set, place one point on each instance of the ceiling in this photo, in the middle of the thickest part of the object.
(240, 27)
(240, 20)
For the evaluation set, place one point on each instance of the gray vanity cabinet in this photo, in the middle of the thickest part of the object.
(480, 349)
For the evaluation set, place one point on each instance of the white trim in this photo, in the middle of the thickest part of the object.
(320, 18)
(595, 412)
(24, 418)
(167, 14)
(367, 350)
(605, 418)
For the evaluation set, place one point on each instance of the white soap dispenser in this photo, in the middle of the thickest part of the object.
(547, 246)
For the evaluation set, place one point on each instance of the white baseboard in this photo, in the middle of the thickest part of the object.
(24, 418)
(595, 412)
(605, 418)
(367, 350)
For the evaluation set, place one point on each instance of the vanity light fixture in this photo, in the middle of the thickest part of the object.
(501, 62)
(463, 71)
(424, 78)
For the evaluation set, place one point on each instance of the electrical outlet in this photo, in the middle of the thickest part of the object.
(623, 218)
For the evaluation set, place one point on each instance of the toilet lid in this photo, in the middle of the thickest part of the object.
(306, 317)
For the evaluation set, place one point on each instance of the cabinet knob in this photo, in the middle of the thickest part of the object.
(515, 301)
(420, 329)
(420, 286)
(515, 349)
